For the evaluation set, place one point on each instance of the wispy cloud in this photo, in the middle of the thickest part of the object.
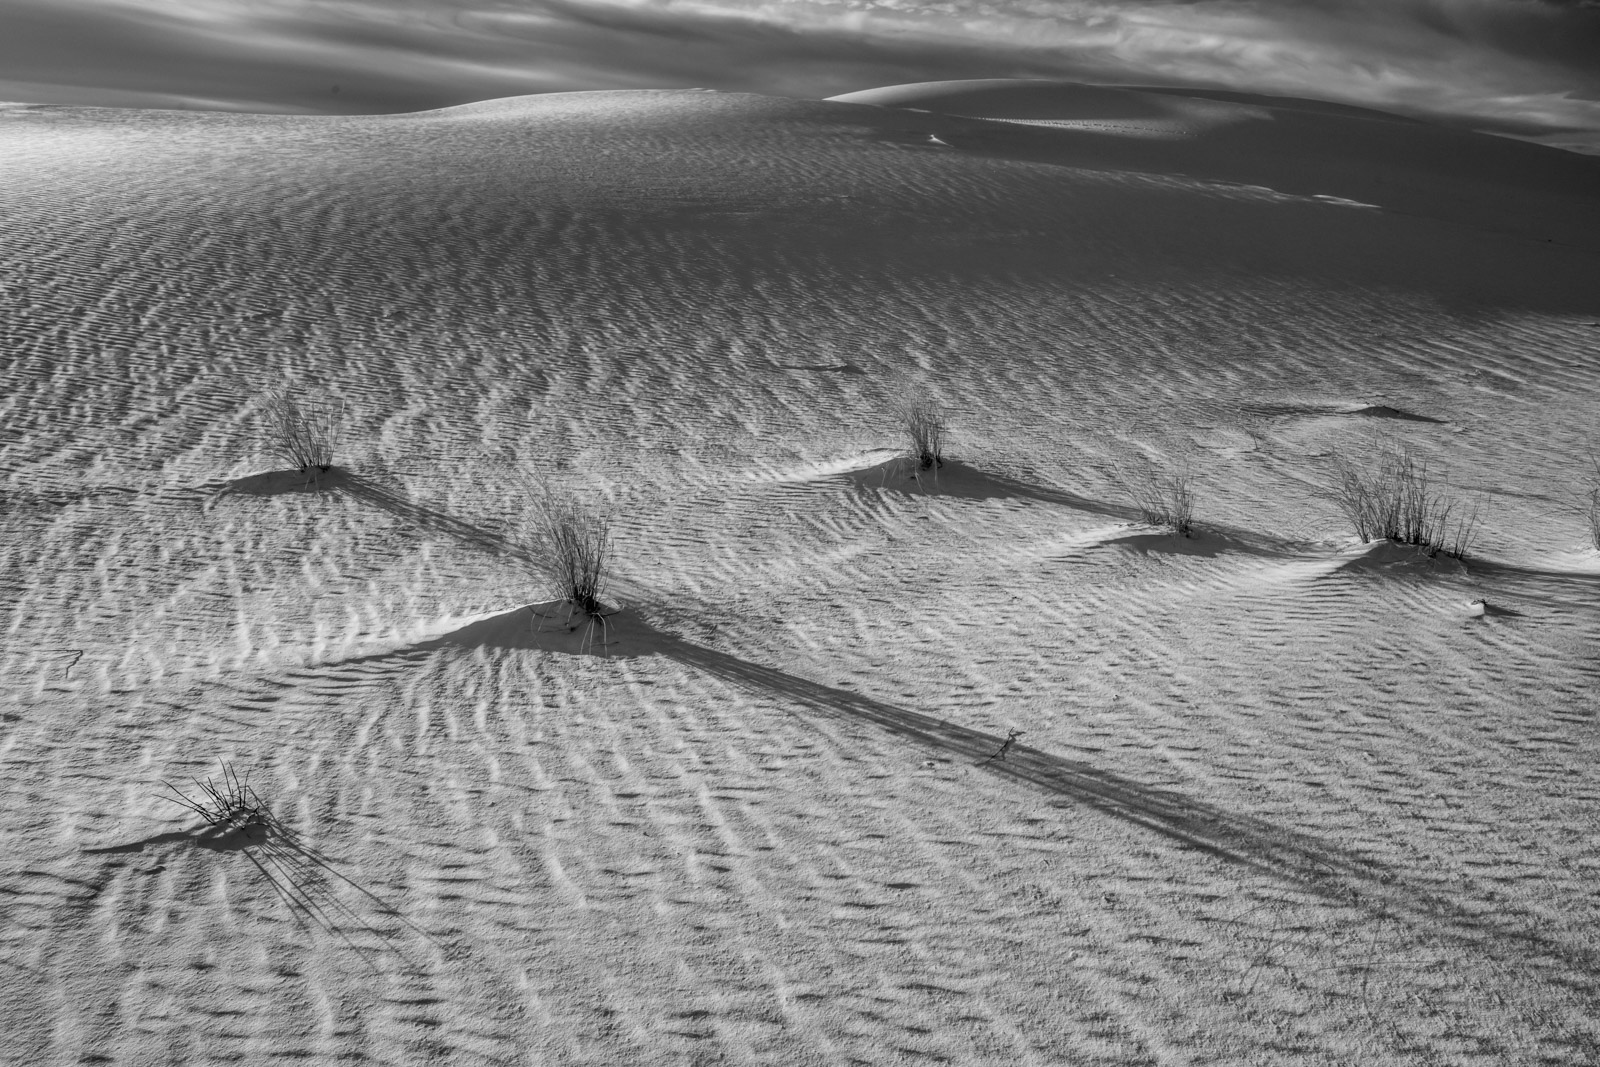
(1522, 65)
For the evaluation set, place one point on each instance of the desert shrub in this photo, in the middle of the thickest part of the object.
(1394, 499)
(922, 423)
(570, 546)
(1165, 499)
(302, 434)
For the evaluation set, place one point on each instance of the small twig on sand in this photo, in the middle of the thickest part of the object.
(77, 654)
(1005, 746)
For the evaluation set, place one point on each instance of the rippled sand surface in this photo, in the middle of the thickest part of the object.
(1272, 796)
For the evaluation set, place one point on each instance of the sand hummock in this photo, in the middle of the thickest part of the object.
(1271, 796)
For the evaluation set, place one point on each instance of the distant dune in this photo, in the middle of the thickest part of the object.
(970, 764)
(1307, 148)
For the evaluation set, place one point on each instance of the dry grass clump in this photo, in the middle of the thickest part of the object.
(570, 544)
(232, 805)
(1166, 499)
(1395, 500)
(922, 423)
(302, 434)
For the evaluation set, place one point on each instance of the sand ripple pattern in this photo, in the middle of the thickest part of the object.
(1275, 799)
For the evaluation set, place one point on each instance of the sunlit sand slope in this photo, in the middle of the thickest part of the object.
(1270, 796)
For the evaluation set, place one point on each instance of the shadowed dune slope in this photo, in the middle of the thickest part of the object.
(1302, 147)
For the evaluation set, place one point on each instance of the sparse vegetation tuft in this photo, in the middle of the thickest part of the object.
(231, 805)
(922, 423)
(571, 546)
(1166, 499)
(302, 434)
(1394, 499)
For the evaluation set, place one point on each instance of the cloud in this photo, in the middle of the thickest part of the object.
(1529, 66)
(1511, 61)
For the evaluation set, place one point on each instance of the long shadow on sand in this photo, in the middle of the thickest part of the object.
(374, 494)
(339, 481)
(1507, 590)
(961, 481)
(1311, 864)
(626, 635)
(1239, 839)
(1554, 589)
(276, 483)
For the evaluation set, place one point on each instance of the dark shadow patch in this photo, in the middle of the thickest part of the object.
(554, 626)
(1527, 592)
(1313, 411)
(1301, 859)
(1385, 556)
(297, 872)
(1389, 165)
(960, 481)
(1556, 592)
(134, 847)
(345, 483)
(835, 368)
(1384, 411)
(1239, 839)
(1311, 864)
(279, 483)
(432, 520)
(1169, 543)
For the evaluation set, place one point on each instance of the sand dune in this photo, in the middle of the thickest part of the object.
(1347, 154)
(1270, 796)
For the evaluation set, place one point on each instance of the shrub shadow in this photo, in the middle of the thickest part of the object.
(1555, 591)
(297, 873)
(555, 626)
(962, 481)
(1239, 839)
(432, 520)
(1310, 864)
(339, 481)
(278, 483)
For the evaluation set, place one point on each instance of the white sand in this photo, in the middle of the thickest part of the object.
(1278, 798)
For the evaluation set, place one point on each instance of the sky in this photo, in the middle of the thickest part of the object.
(1523, 67)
